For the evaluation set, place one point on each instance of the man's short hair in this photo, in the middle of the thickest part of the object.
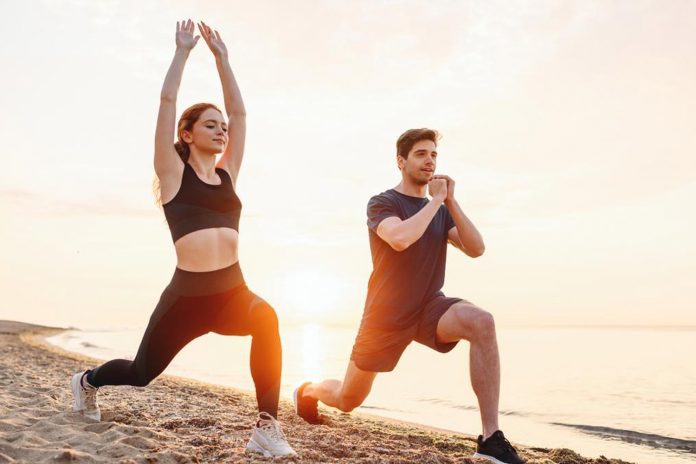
(411, 136)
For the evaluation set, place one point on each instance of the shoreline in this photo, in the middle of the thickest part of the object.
(176, 419)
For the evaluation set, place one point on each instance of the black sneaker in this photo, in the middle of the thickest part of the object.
(497, 449)
(306, 407)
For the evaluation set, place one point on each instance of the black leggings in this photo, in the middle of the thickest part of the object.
(193, 304)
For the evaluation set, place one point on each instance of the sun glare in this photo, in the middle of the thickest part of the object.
(311, 351)
(312, 294)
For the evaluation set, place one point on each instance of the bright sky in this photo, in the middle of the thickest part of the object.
(568, 126)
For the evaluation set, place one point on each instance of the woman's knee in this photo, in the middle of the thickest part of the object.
(139, 375)
(142, 381)
(264, 317)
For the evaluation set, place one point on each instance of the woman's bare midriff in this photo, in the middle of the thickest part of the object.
(207, 249)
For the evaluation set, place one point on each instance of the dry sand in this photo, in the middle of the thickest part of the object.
(175, 420)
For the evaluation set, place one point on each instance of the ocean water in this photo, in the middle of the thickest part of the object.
(627, 393)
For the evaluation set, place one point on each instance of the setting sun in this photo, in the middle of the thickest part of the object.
(311, 293)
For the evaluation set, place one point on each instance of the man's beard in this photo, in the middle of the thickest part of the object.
(418, 180)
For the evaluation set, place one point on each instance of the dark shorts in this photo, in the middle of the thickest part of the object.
(379, 350)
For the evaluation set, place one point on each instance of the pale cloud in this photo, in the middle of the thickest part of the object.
(40, 205)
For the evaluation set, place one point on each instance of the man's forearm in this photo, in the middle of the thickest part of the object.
(413, 228)
(469, 236)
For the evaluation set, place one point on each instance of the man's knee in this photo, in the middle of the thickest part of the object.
(484, 325)
(350, 402)
(472, 323)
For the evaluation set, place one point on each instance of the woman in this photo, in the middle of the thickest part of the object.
(207, 292)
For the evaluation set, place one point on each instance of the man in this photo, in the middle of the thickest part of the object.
(408, 241)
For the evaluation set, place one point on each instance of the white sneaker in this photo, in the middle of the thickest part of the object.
(268, 438)
(84, 397)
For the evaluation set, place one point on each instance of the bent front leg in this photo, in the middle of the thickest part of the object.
(469, 322)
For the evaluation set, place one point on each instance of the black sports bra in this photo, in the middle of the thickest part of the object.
(199, 205)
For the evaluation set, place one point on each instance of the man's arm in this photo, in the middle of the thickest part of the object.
(464, 234)
(401, 234)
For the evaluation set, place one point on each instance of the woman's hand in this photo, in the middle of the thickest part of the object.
(213, 39)
(184, 35)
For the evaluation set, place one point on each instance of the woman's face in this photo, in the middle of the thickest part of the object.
(209, 134)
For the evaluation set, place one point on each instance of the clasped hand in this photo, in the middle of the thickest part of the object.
(441, 186)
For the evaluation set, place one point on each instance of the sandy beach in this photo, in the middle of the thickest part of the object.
(176, 420)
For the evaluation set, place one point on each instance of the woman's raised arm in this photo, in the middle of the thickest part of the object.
(167, 161)
(234, 105)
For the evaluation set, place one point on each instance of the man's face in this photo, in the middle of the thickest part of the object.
(419, 166)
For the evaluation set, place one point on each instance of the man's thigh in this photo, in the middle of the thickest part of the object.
(460, 321)
(430, 317)
(379, 349)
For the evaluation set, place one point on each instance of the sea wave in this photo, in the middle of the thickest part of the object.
(637, 438)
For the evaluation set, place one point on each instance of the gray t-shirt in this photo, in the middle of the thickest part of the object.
(402, 282)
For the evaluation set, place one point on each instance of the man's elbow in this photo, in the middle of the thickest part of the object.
(476, 252)
(399, 244)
